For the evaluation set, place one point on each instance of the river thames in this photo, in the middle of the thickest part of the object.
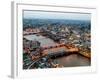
(67, 61)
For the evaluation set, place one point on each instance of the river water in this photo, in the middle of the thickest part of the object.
(66, 61)
(43, 40)
(73, 60)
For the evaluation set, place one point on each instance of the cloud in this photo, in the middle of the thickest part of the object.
(56, 15)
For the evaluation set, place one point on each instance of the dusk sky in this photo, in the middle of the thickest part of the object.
(56, 15)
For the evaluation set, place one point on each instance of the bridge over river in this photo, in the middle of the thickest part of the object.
(61, 50)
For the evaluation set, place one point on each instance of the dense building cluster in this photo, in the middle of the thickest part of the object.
(61, 32)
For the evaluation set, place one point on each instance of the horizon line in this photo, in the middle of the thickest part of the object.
(58, 19)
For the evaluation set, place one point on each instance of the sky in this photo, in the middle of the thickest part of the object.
(56, 15)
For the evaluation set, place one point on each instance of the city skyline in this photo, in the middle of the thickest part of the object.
(56, 15)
